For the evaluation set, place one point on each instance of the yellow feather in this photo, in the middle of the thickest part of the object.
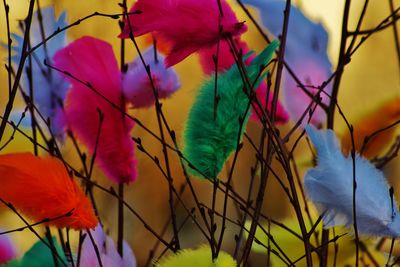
(200, 257)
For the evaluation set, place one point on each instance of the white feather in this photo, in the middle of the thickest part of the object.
(330, 187)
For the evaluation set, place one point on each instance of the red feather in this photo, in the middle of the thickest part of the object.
(40, 188)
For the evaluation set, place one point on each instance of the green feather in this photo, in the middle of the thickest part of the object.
(40, 255)
(209, 141)
(13, 263)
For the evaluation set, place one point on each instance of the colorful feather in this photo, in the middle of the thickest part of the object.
(306, 54)
(136, 84)
(301, 31)
(41, 187)
(225, 56)
(330, 187)
(108, 253)
(187, 25)
(286, 241)
(386, 114)
(312, 72)
(40, 255)
(149, 40)
(209, 141)
(226, 61)
(92, 60)
(281, 115)
(49, 89)
(200, 257)
(7, 249)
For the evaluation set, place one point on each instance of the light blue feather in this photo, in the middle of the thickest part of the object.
(330, 187)
(302, 31)
(305, 53)
(49, 88)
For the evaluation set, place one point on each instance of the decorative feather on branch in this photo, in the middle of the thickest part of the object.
(41, 188)
(137, 87)
(306, 54)
(40, 255)
(49, 89)
(370, 123)
(187, 25)
(226, 61)
(212, 134)
(92, 60)
(330, 187)
(7, 249)
(197, 257)
(108, 253)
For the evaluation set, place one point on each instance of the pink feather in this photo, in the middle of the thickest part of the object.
(281, 116)
(311, 72)
(92, 60)
(7, 249)
(226, 60)
(187, 25)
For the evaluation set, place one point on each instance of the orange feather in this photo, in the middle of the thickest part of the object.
(41, 187)
(381, 117)
(162, 45)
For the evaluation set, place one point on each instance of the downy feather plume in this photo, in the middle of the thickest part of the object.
(136, 84)
(330, 188)
(41, 188)
(7, 249)
(226, 61)
(200, 257)
(305, 53)
(209, 141)
(108, 253)
(187, 25)
(49, 89)
(384, 115)
(92, 60)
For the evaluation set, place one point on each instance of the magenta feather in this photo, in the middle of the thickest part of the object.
(225, 56)
(7, 249)
(187, 25)
(92, 60)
